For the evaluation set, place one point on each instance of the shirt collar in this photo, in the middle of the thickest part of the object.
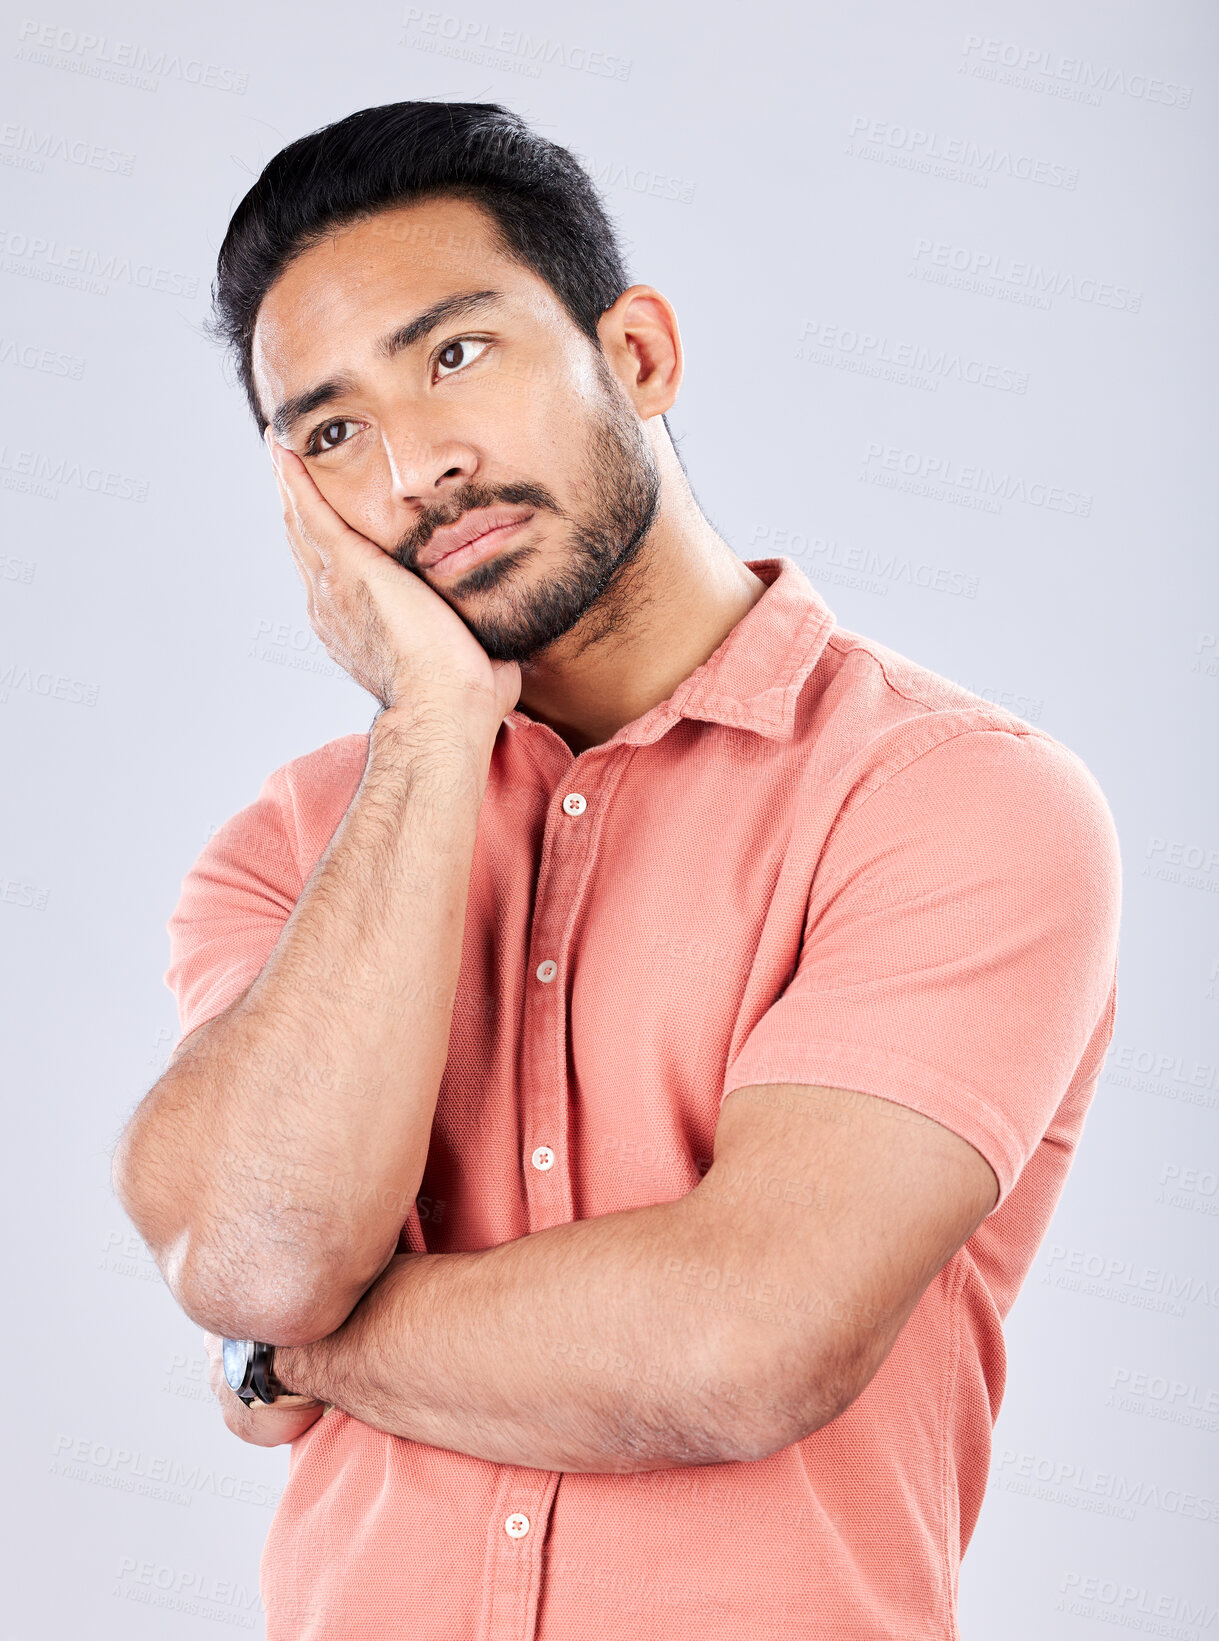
(753, 680)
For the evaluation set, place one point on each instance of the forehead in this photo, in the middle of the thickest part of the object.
(369, 277)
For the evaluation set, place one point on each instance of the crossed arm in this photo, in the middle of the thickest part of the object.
(722, 1326)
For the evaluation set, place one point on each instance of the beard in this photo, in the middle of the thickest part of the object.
(622, 486)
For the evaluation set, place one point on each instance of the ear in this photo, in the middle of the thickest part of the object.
(642, 346)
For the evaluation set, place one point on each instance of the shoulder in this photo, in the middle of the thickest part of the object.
(904, 754)
(1014, 791)
(275, 840)
(872, 680)
(880, 712)
(320, 777)
(311, 793)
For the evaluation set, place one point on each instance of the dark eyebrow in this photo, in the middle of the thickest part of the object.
(300, 405)
(293, 410)
(449, 307)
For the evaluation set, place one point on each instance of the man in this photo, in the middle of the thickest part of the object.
(628, 1086)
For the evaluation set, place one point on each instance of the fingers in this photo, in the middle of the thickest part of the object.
(324, 540)
(272, 1427)
(298, 558)
(346, 577)
(309, 560)
(263, 1426)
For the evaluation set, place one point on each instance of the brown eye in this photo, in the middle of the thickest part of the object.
(456, 355)
(332, 434)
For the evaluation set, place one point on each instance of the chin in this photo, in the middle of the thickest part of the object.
(486, 577)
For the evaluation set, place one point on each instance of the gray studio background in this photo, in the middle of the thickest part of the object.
(945, 277)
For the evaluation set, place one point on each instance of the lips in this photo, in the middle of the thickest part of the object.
(468, 529)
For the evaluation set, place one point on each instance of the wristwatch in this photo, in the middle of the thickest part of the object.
(249, 1373)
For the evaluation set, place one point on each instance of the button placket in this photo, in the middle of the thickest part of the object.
(566, 858)
(516, 1530)
(544, 1059)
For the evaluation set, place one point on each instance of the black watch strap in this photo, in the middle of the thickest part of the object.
(263, 1383)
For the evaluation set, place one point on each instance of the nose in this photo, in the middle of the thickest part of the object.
(424, 469)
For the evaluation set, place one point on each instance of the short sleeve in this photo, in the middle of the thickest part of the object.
(234, 902)
(959, 947)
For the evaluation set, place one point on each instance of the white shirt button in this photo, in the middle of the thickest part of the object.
(575, 803)
(543, 1158)
(546, 971)
(516, 1526)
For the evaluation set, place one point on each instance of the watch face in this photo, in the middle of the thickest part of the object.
(235, 1354)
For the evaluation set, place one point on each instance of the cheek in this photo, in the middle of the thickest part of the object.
(360, 494)
(529, 409)
(546, 435)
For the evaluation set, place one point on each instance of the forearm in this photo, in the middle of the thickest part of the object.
(571, 1349)
(295, 1129)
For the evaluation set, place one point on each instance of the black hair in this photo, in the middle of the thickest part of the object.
(545, 209)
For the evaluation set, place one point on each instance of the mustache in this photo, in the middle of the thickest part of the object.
(466, 500)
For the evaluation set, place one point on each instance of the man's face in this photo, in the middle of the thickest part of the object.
(437, 389)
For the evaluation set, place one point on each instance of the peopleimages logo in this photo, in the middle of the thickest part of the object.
(1168, 1076)
(1110, 1276)
(43, 474)
(1040, 69)
(30, 356)
(17, 569)
(158, 1476)
(637, 179)
(1166, 1399)
(34, 256)
(471, 39)
(1195, 1189)
(862, 568)
(57, 685)
(1107, 1492)
(1192, 865)
(883, 138)
(944, 479)
(31, 147)
(100, 57)
(992, 274)
(1135, 1606)
(180, 1590)
(16, 892)
(912, 364)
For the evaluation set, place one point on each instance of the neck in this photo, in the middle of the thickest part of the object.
(669, 610)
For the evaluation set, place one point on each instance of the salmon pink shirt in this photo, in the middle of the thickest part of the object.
(817, 863)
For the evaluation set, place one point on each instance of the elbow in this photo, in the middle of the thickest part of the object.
(289, 1303)
(125, 1178)
(772, 1404)
(154, 1199)
(288, 1291)
(286, 1278)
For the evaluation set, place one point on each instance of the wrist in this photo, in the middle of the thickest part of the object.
(290, 1367)
(436, 719)
(296, 1369)
(251, 1372)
